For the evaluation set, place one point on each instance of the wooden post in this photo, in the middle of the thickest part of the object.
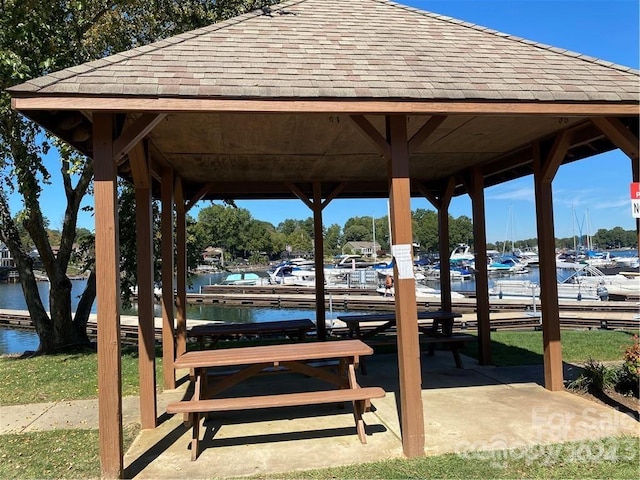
(318, 246)
(476, 191)
(544, 171)
(443, 245)
(144, 253)
(168, 322)
(412, 416)
(635, 175)
(181, 270)
(107, 299)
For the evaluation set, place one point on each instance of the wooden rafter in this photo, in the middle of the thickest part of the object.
(198, 196)
(334, 193)
(134, 134)
(300, 194)
(425, 132)
(620, 135)
(556, 156)
(372, 134)
(139, 166)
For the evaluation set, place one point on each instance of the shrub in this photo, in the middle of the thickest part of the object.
(629, 373)
(596, 377)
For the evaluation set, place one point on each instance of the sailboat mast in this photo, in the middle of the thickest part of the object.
(375, 254)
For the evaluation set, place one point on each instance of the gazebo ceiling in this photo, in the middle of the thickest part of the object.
(276, 97)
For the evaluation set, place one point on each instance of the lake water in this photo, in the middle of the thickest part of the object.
(11, 298)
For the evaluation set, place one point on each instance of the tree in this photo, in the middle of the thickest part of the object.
(37, 38)
(332, 240)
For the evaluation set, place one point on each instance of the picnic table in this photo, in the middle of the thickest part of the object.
(294, 357)
(296, 328)
(439, 330)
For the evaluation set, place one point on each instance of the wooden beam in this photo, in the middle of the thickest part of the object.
(108, 299)
(198, 196)
(139, 166)
(411, 409)
(355, 107)
(318, 247)
(371, 133)
(181, 269)
(553, 374)
(475, 187)
(300, 194)
(620, 135)
(425, 132)
(167, 249)
(334, 194)
(556, 156)
(133, 134)
(146, 317)
(443, 243)
(428, 194)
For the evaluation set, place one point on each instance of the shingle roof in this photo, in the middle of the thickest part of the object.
(346, 49)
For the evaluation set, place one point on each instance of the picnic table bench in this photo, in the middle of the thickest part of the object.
(438, 331)
(294, 357)
(297, 328)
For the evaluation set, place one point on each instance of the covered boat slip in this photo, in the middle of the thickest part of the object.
(369, 99)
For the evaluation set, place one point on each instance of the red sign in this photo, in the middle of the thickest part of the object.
(635, 190)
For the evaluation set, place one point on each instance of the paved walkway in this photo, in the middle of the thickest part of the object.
(465, 410)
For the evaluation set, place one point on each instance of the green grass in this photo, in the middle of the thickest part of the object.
(613, 457)
(71, 376)
(54, 454)
(525, 348)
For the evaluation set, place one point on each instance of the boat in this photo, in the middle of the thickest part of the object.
(528, 257)
(572, 287)
(619, 285)
(525, 289)
(462, 252)
(424, 293)
(289, 274)
(246, 278)
(456, 272)
(506, 265)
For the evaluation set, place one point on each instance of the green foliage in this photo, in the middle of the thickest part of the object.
(609, 457)
(510, 348)
(629, 372)
(596, 377)
(69, 376)
(70, 453)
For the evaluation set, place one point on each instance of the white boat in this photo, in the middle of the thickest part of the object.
(528, 257)
(527, 290)
(423, 293)
(287, 274)
(462, 252)
(506, 265)
(619, 286)
(245, 278)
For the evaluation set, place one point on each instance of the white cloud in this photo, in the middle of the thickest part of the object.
(521, 193)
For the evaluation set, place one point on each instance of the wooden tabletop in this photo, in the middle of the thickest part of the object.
(273, 353)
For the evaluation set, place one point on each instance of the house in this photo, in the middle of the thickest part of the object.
(5, 257)
(367, 249)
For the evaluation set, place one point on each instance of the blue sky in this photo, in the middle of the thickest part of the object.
(588, 195)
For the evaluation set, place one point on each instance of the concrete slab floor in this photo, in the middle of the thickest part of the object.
(465, 410)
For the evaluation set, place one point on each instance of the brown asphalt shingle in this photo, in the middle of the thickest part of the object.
(347, 49)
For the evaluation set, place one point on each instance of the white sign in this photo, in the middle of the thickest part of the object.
(635, 208)
(403, 257)
(635, 199)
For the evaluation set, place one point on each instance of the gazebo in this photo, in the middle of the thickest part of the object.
(317, 100)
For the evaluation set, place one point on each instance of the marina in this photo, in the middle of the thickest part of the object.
(210, 299)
